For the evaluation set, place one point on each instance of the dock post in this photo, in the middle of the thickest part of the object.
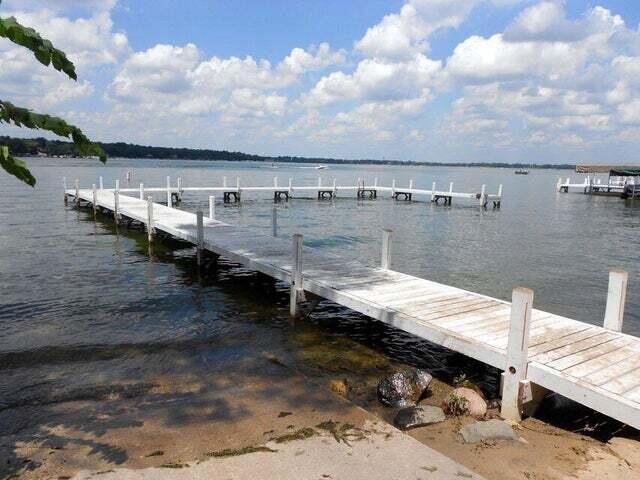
(212, 207)
(274, 221)
(411, 184)
(483, 201)
(375, 182)
(517, 349)
(179, 196)
(224, 182)
(141, 191)
(200, 236)
(290, 186)
(275, 182)
(296, 274)
(393, 188)
(450, 187)
(116, 202)
(64, 186)
(238, 188)
(169, 191)
(386, 248)
(95, 198)
(616, 296)
(77, 184)
(559, 184)
(335, 187)
(150, 229)
(433, 191)
(101, 183)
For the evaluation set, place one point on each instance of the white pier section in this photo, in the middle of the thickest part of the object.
(594, 366)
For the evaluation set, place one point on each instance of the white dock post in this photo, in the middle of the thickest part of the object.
(290, 186)
(393, 187)
(375, 182)
(150, 218)
(296, 274)
(238, 184)
(335, 187)
(386, 248)
(200, 236)
(212, 207)
(274, 221)
(319, 182)
(450, 187)
(77, 184)
(275, 182)
(116, 202)
(95, 198)
(179, 185)
(224, 182)
(500, 191)
(141, 191)
(482, 195)
(411, 184)
(517, 350)
(433, 191)
(100, 183)
(559, 184)
(169, 191)
(616, 296)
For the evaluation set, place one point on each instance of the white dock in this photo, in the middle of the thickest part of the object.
(233, 191)
(595, 366)
(593, 185)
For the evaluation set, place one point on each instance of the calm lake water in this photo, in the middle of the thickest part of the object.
(84, 307)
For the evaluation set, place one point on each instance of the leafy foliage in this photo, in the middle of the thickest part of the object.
(46, 54)
(15, 167)
(22, 117)
(43, 50)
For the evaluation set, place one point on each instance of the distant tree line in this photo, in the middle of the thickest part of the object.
(41, 146)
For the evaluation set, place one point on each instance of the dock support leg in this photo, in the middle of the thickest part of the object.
(95, 199)
(116, 206)
(616, 297)
(77, 185)
(517, 348)
(142, 191)
(212, 207)
(296, 276)
(64, 185)
(200, 236)
(386, 249)
(274, 221)
(150, 229)
(169, 191)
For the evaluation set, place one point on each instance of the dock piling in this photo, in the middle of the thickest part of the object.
(77, 185)
(296, 274)
(150, 218)
(517, 348)
(274, 221)
(141, 191)
(169, 192)
(95, 198)
(200, 236)
(616, 297)
(212, 207)
(64, 186)
(224, 182)
(335, 187)
(483, 196)
(179, 194)
(386, 248)
(290, 186)
(116, 202)
(433, 191)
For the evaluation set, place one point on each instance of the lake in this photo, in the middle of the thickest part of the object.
(84, 307)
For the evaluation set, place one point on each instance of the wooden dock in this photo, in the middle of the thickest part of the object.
(232, 192)
(538, 351)
(591, 185)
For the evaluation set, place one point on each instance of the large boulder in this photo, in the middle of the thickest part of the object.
(489, 430)
(403, 389)
(410, 417)
(464, 400)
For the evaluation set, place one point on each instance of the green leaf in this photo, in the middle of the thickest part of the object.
(43, 50)
(23, 117)
(15, 167)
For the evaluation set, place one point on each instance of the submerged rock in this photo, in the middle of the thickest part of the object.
(341, 387)
(403, 388)
(489, 430)
(418, 416)
(474, 404)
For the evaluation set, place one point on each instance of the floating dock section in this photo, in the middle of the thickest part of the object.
(597, 366)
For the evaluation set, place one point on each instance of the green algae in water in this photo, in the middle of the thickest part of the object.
(174, 465)
(342, 433)
(233, 452)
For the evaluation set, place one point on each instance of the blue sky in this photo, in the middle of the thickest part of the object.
(454, 80)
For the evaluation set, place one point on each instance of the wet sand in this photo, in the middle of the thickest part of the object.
(172, 422)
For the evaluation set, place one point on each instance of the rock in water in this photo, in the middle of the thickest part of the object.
(418, 416)
(341, 387)
(489, 430)
(476, 405)
(403, 388)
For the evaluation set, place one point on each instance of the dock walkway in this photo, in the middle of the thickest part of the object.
(595, 366)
